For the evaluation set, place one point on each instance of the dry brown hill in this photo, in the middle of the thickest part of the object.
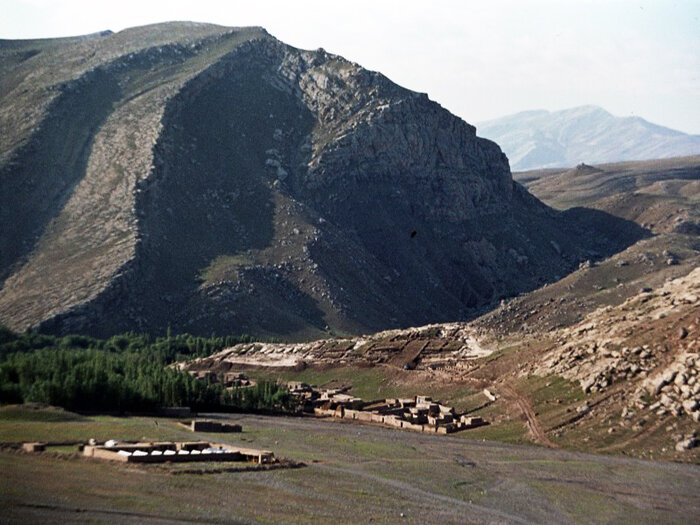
(660, 194)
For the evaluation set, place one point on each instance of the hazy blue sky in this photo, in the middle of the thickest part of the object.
(479, 59)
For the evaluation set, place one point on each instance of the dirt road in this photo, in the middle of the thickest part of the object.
(532, 424)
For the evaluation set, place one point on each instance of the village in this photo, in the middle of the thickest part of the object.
(417, 413)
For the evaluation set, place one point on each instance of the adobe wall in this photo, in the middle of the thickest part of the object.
(235, 454)
(214, 426)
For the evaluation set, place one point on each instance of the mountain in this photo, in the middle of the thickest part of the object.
(603, 360)
(544, 139)
(204, 178)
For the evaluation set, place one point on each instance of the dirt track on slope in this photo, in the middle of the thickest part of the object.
(532, 423)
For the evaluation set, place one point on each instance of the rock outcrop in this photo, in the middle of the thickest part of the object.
(601, 351)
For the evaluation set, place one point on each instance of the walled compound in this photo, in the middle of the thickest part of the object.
(418, 413)
(169, 451)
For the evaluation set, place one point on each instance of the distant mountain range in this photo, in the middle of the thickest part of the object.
(544, 139)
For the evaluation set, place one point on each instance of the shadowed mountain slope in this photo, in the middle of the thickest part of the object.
(215, 179)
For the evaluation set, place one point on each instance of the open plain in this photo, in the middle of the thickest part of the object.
(352, 474)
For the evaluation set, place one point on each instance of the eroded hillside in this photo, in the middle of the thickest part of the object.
(215, 179)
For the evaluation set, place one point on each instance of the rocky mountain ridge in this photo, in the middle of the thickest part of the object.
(215, 179)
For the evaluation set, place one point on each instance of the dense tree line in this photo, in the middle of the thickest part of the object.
(127, 372)
(263, 396)
(92, 379)
(169, 349)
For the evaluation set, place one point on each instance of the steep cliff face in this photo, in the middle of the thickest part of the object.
(227, 182)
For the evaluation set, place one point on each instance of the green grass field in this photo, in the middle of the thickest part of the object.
(353, 473)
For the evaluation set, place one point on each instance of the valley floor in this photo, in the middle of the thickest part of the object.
(353, 474)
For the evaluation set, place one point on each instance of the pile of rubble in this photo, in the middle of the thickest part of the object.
(597, 367)
(686, 442)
